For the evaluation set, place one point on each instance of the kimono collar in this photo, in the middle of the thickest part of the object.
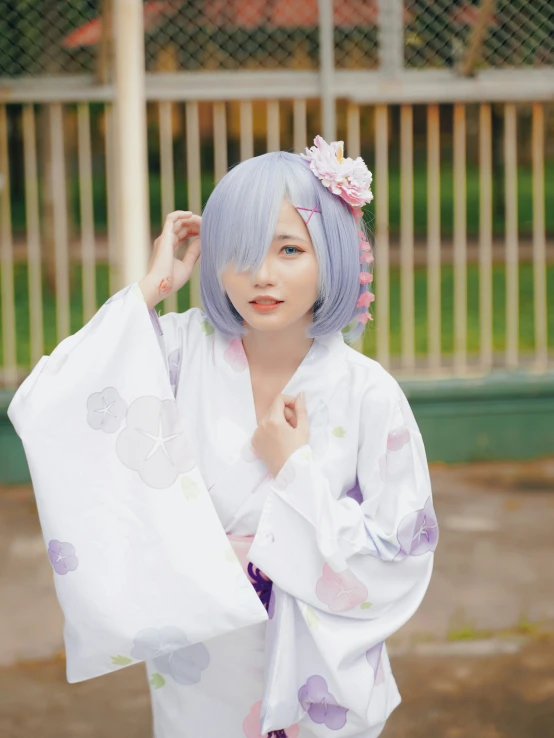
(316, 375)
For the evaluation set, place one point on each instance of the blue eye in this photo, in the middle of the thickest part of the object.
(293, 247)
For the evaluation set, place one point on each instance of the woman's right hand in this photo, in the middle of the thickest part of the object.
(167, 274)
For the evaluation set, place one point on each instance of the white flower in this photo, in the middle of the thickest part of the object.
(348, 178)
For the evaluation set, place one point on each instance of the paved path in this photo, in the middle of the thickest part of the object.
(476, 660)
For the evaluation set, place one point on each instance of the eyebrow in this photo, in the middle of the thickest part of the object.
(289, 237)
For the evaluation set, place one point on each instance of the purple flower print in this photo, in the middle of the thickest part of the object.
(340, 591)
(174, 361)
(62, 556)
(172, 653)
(106, 410)
(356, 493)
(320, 704)
(419, 532)
(153, 443)
(373, 656)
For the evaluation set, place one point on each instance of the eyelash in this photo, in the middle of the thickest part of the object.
(300, 251)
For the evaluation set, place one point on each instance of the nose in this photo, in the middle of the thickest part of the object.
(265, 274)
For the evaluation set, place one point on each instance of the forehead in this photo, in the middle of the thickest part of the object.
(290, 222)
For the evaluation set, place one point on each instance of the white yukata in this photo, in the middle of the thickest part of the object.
(153, 502)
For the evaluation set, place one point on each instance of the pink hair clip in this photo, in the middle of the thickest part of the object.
(312, 211)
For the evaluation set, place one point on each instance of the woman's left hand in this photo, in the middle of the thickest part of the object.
(282, 431)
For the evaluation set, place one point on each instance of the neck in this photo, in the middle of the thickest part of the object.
(278, 351)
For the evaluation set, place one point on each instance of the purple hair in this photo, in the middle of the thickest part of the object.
(238, 224)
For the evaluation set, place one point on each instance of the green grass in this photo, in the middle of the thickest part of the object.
(525, 200)
(526, 341)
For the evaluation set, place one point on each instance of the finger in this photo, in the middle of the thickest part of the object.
(176, 214)
(192, 253)
(301, 410)
(277, 409)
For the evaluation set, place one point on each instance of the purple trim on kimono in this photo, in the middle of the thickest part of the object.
(156, 321)
(262, 585)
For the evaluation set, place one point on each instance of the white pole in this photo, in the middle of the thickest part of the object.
(391, 36)
(327, 68)
(133, 219)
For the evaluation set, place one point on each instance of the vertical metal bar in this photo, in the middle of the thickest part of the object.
(460, 239)
(133, 220)
(391, 36)
(87, 213)
(353, 137)
(194, 186)
(61, 236)
(327, 68)
(273, 125)
(300, 126)
(166, 175)
(246, 130)
(220, 140)
(407, 305)
(382, 309)
(433, 238)
(8, 292)
(512, 277)
(485, 236)
(539, 240)
(115, 277)
(33, 234)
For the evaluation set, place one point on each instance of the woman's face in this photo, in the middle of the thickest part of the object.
(288, 273)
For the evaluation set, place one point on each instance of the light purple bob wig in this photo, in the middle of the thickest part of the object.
(238, 225)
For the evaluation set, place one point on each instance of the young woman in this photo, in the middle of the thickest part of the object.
(233, 494)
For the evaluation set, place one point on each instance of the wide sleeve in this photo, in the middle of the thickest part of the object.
(349, 569)
(138, 553)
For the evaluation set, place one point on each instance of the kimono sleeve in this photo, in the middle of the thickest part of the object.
(367, 555)
(124, 510)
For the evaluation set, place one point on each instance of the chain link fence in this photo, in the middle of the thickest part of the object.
(52, 37)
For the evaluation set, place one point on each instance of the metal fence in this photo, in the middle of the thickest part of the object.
(59, 37)
(461, 279)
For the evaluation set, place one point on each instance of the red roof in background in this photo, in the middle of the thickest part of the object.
(91, 32)
(243, 14)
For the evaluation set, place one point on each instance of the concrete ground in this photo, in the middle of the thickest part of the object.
(476, 660)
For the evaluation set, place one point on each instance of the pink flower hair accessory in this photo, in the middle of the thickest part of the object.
(348, 178)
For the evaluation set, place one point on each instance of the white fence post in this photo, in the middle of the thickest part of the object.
(391, 36)
(133, 221)
(327, 68)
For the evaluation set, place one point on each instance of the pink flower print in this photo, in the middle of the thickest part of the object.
(235, 355)
(172, 653)
(340, 591)
(62, 556)
(419, 531)
(251, 726)
(373, 656)
(106, 410)
(320, 704)
(153, 443)
(398, 438)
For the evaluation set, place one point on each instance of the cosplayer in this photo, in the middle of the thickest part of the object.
(234, 495)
